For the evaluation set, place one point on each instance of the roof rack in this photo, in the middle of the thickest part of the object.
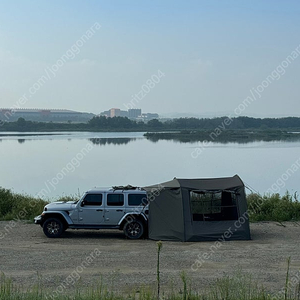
(126, 187)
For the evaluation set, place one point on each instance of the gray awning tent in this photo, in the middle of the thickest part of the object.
(198, 210)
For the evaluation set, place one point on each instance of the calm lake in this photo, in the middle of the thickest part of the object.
(71, 163)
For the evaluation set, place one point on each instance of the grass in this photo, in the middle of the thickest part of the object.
(159, 247)
(238, 287)
(17, 207)
(273, 207)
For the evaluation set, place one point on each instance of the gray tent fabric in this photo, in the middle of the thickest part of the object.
(198, 210)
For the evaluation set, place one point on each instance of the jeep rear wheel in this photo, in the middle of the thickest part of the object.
(134, 229)
(53, 227)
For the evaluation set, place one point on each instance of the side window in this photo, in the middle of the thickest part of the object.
(213, 206)
(93, 199)
(137, 199)
(115, 200)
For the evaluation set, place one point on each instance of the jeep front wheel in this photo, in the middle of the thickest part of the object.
(134, 229)
(53, 228)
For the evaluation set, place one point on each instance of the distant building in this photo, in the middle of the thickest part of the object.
(44, 115)
(151, 116)
(134, 113)
(114, 112)
(124, 113)
(148, 116)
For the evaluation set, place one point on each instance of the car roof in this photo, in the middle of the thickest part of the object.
(111, 190)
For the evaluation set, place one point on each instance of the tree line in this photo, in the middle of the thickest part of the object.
(102, 123)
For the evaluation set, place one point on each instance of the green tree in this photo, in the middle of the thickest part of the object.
(155, 124)
(21, 122)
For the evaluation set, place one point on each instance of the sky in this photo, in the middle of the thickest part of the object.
(206, 58)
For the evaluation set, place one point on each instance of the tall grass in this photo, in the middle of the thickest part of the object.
(15, 206)
(159, 247)
(238, 287)
(19, 207)
(273, 207)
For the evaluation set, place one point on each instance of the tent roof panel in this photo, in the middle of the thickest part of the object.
(200, 183)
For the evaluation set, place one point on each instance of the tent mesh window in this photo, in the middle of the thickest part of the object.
(213, 206)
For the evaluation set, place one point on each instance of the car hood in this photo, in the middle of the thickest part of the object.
(60, 206)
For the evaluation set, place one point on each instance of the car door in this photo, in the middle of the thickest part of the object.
(91, 210)
(114, 209)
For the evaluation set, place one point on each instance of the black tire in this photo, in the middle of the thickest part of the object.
(53, 228)
(134, 229)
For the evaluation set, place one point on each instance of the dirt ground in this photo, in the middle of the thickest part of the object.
(28, 256)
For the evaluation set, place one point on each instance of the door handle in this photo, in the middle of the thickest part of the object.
(99, 209)
(119, 209)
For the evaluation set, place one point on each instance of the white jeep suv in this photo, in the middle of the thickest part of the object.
(124, 208)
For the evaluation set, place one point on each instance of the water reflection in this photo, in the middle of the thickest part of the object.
(95, 141)
(111, 141)
(240, 139)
